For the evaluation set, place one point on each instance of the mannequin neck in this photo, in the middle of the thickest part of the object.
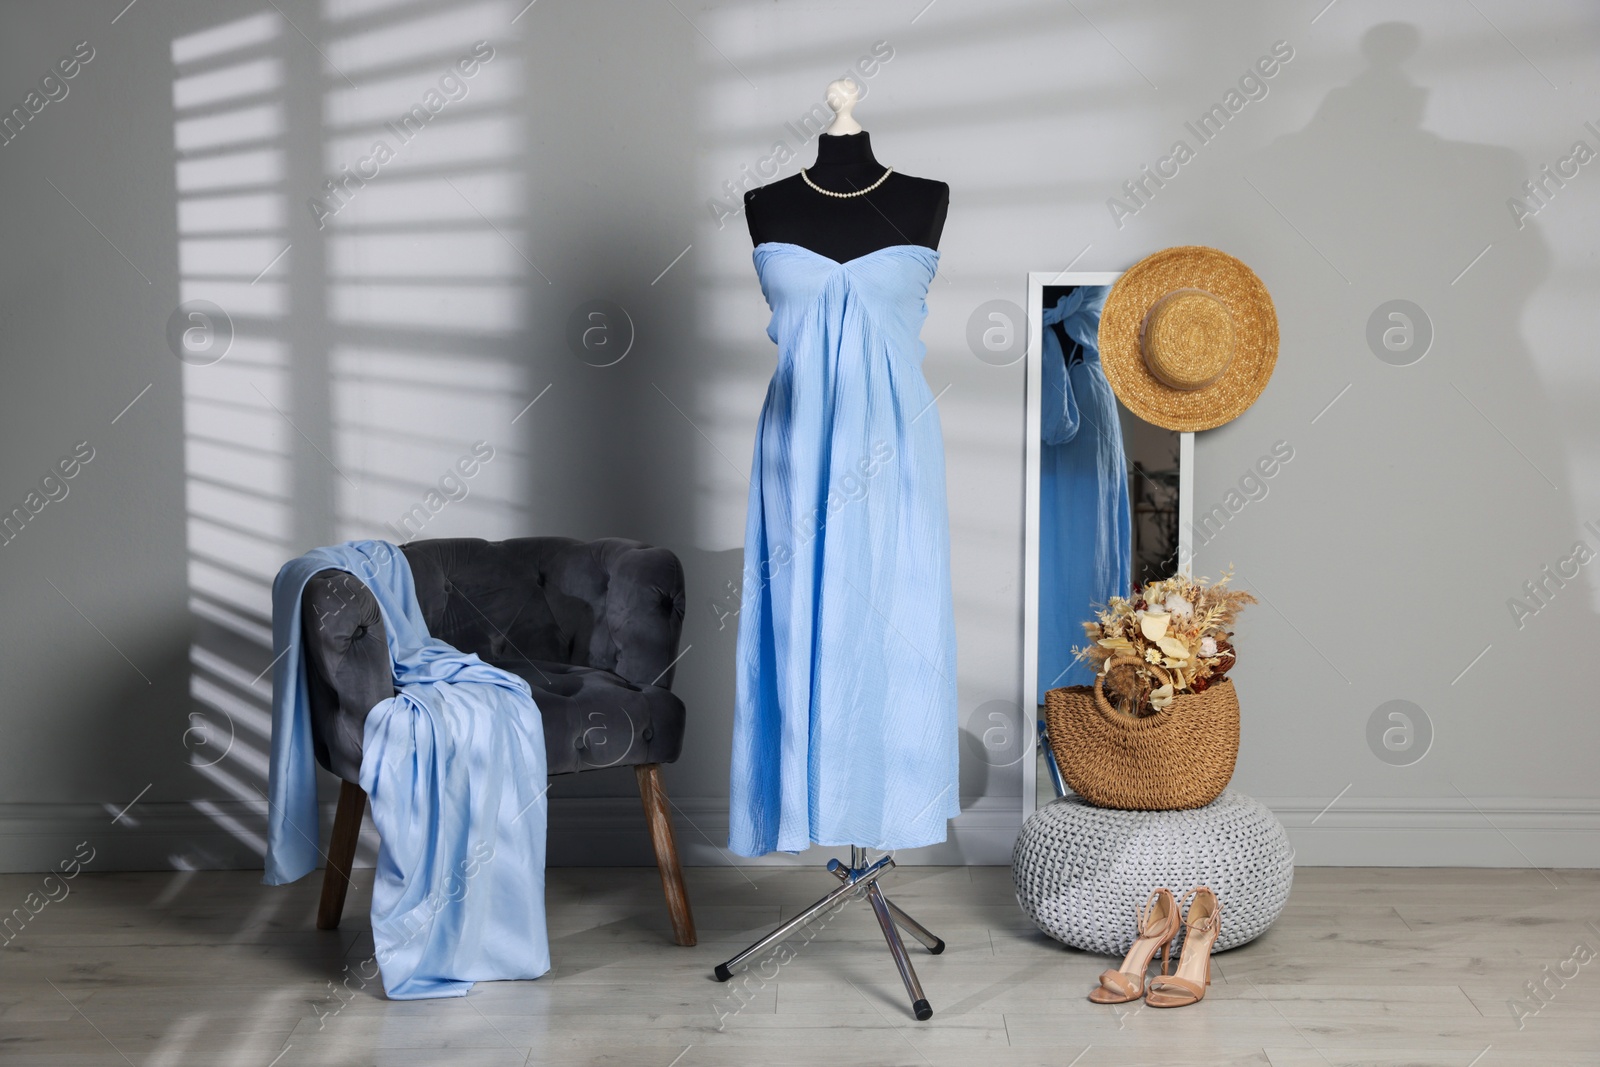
(850, 150)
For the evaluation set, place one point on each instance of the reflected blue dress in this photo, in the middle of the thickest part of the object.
(845, 728)
(1085, 536)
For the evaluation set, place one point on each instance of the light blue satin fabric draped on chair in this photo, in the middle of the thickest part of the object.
(845, 725)
(1085, 536)
(454, 765)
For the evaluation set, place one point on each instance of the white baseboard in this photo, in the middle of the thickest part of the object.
(610, 831)
(1442, 831)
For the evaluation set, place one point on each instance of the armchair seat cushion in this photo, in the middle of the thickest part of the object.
(594, 718)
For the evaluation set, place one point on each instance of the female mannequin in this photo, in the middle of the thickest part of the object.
(845, 718)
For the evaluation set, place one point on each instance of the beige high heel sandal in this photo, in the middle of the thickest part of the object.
(1157, 924)
(1202, 925)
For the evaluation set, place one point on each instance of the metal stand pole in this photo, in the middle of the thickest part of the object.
(919, 1003)
(854, 878)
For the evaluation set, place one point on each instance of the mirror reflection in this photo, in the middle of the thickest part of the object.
(1108, 489)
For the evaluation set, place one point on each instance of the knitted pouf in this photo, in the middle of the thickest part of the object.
(1081, 872)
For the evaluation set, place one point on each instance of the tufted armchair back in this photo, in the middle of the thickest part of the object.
(611, 604)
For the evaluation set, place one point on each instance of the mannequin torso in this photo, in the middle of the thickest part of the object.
(903, 210)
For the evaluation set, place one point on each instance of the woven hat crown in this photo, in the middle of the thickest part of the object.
(1187, 339)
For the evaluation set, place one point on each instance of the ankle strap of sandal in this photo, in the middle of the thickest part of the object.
(1147, 912)
(1205, 925)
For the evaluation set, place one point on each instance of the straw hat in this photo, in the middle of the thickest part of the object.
(1188, 338)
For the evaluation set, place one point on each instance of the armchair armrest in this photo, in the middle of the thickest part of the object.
(347, 666)
(644, 609)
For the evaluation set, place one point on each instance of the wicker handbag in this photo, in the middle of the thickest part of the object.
(1180, 757)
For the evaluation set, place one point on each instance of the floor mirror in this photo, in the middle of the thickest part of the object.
(1107, 495)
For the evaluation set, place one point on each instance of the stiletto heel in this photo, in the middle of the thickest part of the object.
(1157, 923)
(1202, 924)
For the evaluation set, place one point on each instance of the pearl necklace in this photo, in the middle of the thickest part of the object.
(858, 192)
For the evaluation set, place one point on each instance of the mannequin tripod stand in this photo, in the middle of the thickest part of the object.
(856, 879)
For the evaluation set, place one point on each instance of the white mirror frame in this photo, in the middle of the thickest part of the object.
(1037, 280)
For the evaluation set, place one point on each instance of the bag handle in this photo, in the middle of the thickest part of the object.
(1100, 680)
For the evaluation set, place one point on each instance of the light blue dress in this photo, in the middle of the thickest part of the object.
(845, 728)
(1085, 542)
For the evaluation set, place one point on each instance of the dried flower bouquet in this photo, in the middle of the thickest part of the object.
(1177, 628)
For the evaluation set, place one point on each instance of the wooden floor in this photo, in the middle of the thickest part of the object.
(1385, 967)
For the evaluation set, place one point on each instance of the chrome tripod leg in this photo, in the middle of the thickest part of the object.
(931, 941)
(850, 882)
(880, 907)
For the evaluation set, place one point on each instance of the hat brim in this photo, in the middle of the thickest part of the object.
(1255, 326)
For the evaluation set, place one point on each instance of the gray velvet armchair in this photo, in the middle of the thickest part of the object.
(593, 627)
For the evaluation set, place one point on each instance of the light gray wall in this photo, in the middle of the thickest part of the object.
(580, 166)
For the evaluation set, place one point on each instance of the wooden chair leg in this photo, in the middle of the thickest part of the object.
(666, 846)
(341, 854)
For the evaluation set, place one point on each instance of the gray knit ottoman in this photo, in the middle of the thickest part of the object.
(1081, 872)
